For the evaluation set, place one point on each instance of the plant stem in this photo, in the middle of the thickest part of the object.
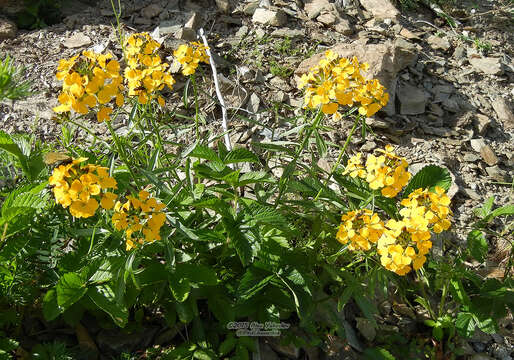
(339, 158)
(299, 151)
(425, 296)
(197, 130)
(121, 152)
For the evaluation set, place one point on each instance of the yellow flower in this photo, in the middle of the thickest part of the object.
(360, 228)
(104, 114)
(83, 209)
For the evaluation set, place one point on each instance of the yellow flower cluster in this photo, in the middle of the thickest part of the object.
(140, 217)
(145, 72)
(360, 228)
(89, 80)
(337, 82)
(387, 171)
(79, 187)
(190, 56)
(402, 244)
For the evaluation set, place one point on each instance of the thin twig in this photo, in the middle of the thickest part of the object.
(226, 137)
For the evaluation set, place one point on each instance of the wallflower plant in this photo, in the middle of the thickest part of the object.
(197, 235)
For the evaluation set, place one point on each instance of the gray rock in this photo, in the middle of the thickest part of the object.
(501, 352)
(269, 17)
(472, 194)
(194, 21)
(451, 105)
(488, 155)
(344, 27)
(487, 65)
(438, 43)
(169, 27)
(186, 33)
(266, 352)
(366, 328)
(254, 103)
(245, 73)
(289, 350)
(469, 157)
(483, 123)
(151, 11)
(504, 112)
(327, 18)
(279, 83)
(412, 100)
(497, 174)
(477, 144)
(8, 29)
(290, 33)
(242, 32)
(249, 9)
(381, 9)
(460, 53)
(77, 40)
(223, 6)
(313, 8)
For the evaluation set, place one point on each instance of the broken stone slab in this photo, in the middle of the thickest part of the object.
(223, 6)
(290, 33)
(438, 43)
(483, 123)
(488, 155)
(381, 9)
(497, 174)
(151, 11)
(487, 65)
(412, 100)
(385, 61)
(8, 29)
(314, 8)
(343, 26)
(327, 18)
(504, 112)
(269, 17)
(77, 40)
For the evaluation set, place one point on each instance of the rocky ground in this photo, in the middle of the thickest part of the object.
(451, 87)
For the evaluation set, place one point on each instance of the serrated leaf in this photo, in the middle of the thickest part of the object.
(51, 309)
(180, 287)
(477, 245)
(429, 177)
(238, 241)
(252, 282)
(197, 273)
(240, 155)
(204, 152)
(103, 296)
(465, 324)
(70, 289)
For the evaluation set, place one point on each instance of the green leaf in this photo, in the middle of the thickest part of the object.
(366, 306)
(70, 289)
(477, 245)
(221, 307)
(377, 354)
(179, 286)
(204, 152)
(438, 332)
(8, 144)
(253, 177)
(204, 354)
(465, 324)
(320, 144)
(504, 210)
(459, 293)
(429, 177)
(50, 307)
(240, 243)
(103, 296)
(185, 311)
(253, 281)
(240, 155)
(486, 208)
(228, 345)
(197, 273)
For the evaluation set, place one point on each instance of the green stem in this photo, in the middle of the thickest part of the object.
(443, 298)
(425, 296)
(340, 157)
(197, 130)
(299, 151)
(83, 128)
(121, 152)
